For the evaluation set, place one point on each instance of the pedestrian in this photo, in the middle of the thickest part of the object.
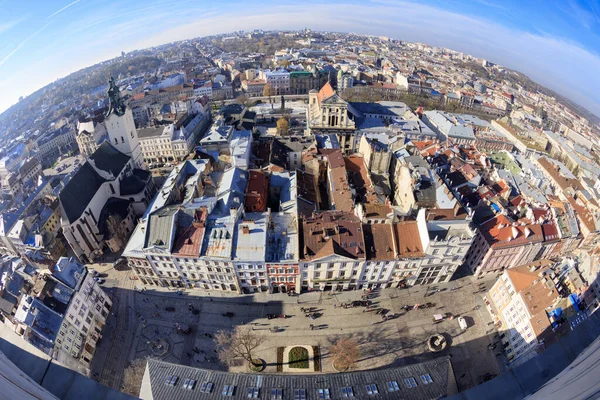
(335, 306)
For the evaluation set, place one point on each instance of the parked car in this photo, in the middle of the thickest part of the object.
(462, 323)
(94, 273)
(99, 280)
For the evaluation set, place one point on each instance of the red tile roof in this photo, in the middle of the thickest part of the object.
(379, 241)
(332, 233)
(256, 192)
(554, 171)
(583, 214)
(501, 232)
(325, 92)
(408, 239)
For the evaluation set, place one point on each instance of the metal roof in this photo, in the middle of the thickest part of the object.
(439, 370)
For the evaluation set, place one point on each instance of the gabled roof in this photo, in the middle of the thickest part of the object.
(80, 190)
(108, 158)
(408, 239)
(325, 92)
(332, 233)
(379, 241)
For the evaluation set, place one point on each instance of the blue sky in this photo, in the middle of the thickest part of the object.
(557, 43)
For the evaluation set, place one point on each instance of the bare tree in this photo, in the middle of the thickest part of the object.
(242, 99)
(345, 353)
(238, 343)
(132, 377)
(114, 224)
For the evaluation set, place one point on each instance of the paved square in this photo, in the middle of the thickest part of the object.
(397, 341)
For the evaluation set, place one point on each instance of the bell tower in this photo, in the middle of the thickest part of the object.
(121, 127)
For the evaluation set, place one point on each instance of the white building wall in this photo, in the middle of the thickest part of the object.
(123, 135)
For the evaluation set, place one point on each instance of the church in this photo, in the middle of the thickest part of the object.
(327, 113)
(102, 201)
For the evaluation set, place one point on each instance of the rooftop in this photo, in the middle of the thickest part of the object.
(250, 240)
(69, 271)
(188, 236)
(408, 239)
(438, 374)
(218, 237)
(282, 244)
(500, 232)
(338, 182)
(332, 233)
(379, 241)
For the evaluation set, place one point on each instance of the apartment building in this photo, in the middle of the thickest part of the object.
(279, 81)
(501, 244)
(519, 303)
(90, 135)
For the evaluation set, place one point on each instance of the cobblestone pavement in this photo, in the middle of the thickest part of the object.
(398, 341)
(110, 359)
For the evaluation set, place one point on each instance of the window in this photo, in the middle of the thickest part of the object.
(347, 392)
(228, 390)
(253, 393)
(372, 389)
(300, 394)
(426, 379)
(393, 386)
(323, 394)
(276, 394)
(410, 383)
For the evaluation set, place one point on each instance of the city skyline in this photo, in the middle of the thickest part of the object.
(556, 45)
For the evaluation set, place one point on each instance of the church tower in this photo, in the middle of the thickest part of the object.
(121, 127)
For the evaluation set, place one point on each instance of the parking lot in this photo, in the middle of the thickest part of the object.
(65, 166)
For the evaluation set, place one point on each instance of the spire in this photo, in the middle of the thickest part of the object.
(114, 96)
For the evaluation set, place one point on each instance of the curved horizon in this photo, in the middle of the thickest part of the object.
(555, 44)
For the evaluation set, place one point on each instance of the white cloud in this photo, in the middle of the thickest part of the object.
(62, 9)
(8, 25)
(20, 45)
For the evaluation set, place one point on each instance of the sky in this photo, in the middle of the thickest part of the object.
(554, 42)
